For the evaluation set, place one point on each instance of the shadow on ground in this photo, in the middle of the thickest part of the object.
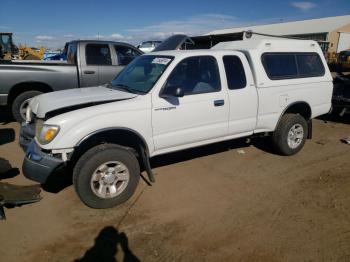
(345, 119)
(63, 178)
(262, 143)
(6, 170)
(5, 116)
(7, 135)
(58, 180)
(106, 247)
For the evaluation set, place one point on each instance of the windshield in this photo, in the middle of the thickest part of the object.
(142, 73)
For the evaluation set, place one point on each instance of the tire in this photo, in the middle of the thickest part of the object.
(282, 143)
(88, 169)
(18, 103)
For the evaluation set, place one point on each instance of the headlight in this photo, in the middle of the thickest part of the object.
(48, 133)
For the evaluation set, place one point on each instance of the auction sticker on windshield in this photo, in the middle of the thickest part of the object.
(161, 60)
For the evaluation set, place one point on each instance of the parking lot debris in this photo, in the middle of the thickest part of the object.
(346, 140)
(13, 196)
(241, 151)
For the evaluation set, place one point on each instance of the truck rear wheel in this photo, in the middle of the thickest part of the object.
(106, 175)
(290, 134)
(20, 104)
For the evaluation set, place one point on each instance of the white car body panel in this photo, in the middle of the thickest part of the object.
(133, 114)
(44, 103)
(186, 121)
(169, 125)
(276, 95)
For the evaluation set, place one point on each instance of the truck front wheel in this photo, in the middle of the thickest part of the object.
(106, 175)
(290, 134)
(20, 104)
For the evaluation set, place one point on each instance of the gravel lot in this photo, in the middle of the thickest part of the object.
(225, 202)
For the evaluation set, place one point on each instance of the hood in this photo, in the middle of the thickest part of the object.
(75, 99)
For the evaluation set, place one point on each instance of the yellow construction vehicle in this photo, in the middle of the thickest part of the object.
(344, 60)
(29, 53)
(7, 49)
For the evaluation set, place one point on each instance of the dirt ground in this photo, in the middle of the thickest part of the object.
(225, 202)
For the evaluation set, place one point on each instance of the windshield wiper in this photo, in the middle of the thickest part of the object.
(128, 89)
(123, 87)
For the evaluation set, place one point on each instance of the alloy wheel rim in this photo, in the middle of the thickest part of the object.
(110, 179)
(295, 136)
(23, 108)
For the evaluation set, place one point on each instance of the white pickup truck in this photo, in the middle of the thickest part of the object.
(172, 100)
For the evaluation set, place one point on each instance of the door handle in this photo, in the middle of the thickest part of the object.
(220, 102)
(87, 72)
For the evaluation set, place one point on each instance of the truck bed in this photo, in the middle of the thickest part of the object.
(54, 74)
(34, 62)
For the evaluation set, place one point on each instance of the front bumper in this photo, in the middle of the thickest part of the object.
(39, 166)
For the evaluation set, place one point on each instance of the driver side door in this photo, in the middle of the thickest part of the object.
(200, 115)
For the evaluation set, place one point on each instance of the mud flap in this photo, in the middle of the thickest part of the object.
(13, 196)
(147, 165)
(309, 129)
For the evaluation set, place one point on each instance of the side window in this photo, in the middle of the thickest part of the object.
(235, 75)
(98, 54)
(125, 54)
(280, 66)
(195, 75)
(310, 64)
(292, 65)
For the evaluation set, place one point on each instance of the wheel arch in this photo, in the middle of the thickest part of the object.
(28, 86)
(124, 137)
(302, 108)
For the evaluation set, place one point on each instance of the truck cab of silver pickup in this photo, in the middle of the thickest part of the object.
(172, 100)
(89, 63)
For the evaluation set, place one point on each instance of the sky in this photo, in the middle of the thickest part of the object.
(52, 23)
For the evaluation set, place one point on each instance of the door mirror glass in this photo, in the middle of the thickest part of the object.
(173, 92)
(179, 92)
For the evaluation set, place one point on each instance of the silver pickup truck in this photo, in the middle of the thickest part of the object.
(89, 63)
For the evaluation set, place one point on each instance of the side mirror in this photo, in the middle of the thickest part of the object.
(172, 92)
(179, 92)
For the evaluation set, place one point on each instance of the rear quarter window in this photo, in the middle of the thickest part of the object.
(280, 66)
(292, 65)
(309, 65)
(235, 74)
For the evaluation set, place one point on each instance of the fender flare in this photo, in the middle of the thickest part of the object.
(115, 129)
(143, 149)
(309, 121)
